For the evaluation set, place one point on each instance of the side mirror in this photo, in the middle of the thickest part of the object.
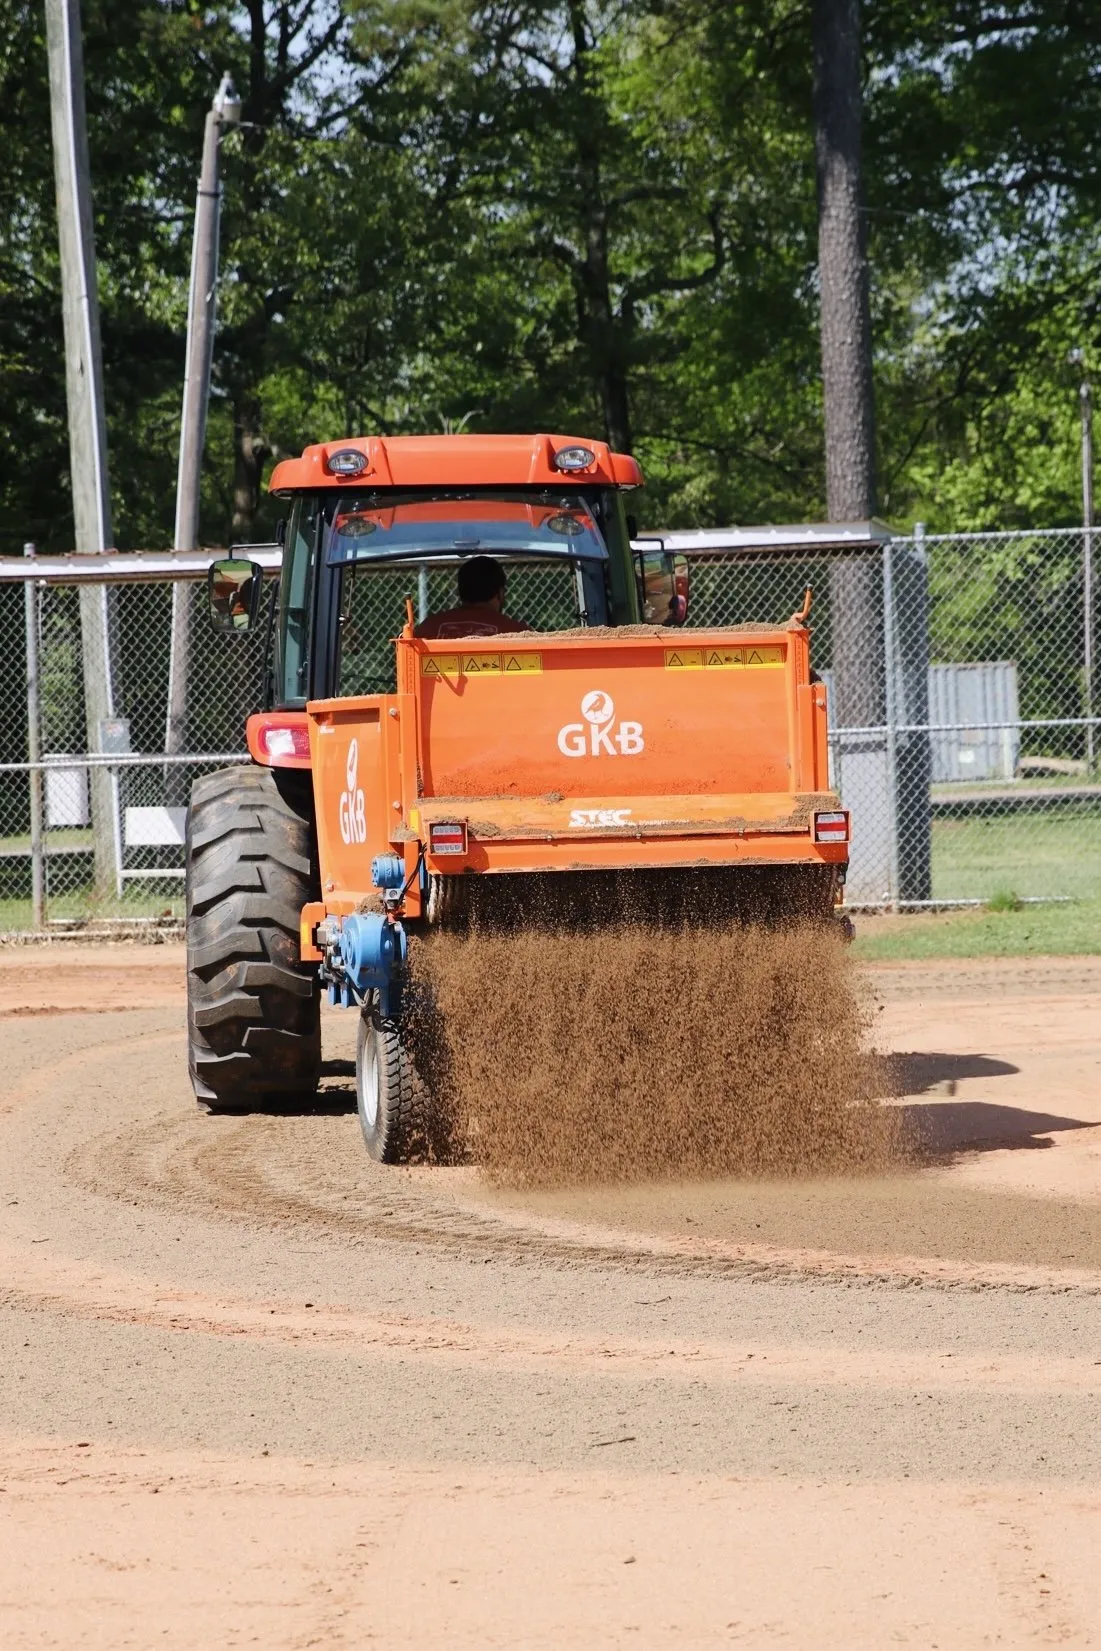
(234, 590)
(663, 587)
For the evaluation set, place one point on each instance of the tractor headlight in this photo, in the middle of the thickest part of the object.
(346, 461)
(574, 458)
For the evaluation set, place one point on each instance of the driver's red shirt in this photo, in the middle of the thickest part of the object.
(469, 619)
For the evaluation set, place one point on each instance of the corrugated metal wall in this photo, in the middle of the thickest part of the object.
(979, 695)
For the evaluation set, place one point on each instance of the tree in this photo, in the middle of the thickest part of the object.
(846, 357)
(983, 168)
(564, 213)
(842, 263)
(529, 121)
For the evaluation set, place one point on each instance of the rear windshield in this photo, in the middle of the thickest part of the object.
(388, 527)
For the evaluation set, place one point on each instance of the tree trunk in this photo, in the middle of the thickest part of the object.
(846, 357)
(617, 409)
(843, 264)
(249, 453)
(602, 333)
(604, 338)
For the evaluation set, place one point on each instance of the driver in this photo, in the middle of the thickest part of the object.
(480, 610)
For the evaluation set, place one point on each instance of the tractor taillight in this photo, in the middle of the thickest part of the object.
(447, 837)
(831, 828)
(279, 739)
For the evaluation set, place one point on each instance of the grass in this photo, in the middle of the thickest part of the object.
(15, 913)
(983, 857)
(1004, 900)
(1059, 930)
(1047, 783)
(1002, 860)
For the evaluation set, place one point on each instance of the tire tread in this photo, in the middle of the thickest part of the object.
(404, 1097)
(254, 1028)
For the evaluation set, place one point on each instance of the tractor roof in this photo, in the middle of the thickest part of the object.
(453, 461)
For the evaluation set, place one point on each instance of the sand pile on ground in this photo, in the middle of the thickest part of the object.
(633, 1054)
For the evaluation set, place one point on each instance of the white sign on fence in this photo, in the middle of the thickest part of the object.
(155, 827)
(66, 794)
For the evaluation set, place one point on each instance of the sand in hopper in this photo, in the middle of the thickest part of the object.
(634, 1054)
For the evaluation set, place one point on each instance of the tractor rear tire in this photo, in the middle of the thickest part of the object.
(253, 1008)
(392, 1101)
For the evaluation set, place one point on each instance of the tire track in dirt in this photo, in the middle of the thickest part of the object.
(265, 1179)
(308, 1172)
(118, 1298)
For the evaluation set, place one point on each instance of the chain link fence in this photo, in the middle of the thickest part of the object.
(1008, 727)
(963, 730)
(93, 785)
(964, 734)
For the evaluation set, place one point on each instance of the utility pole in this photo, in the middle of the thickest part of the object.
(87, 427)
(224, 112)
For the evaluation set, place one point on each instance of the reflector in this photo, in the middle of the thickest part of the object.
(831, 828)
(447, 837)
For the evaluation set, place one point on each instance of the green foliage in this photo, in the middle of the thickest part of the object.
(575, 214)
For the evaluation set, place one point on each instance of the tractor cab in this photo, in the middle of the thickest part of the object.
(367, 529)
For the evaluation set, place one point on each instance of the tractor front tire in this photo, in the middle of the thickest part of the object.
(253, 1008)
(391, 1099)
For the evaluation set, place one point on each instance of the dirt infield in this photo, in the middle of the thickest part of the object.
(258, 1389)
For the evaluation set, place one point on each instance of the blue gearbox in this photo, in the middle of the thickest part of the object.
(372, 951)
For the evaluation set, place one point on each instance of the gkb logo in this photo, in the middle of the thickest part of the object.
(353, 810)
(603, 736)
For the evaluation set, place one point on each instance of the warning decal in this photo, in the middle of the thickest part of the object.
(723, 658)
(440, 665)
(523, 664)
(479, 664)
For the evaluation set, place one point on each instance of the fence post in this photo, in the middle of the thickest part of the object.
(34, 754)
(890, 696)
(1086, 404)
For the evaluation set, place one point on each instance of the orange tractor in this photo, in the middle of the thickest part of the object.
(610, 760)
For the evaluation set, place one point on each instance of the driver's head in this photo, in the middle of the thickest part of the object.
(481, 580)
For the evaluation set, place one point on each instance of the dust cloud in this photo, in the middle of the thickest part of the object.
(631, 1053)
